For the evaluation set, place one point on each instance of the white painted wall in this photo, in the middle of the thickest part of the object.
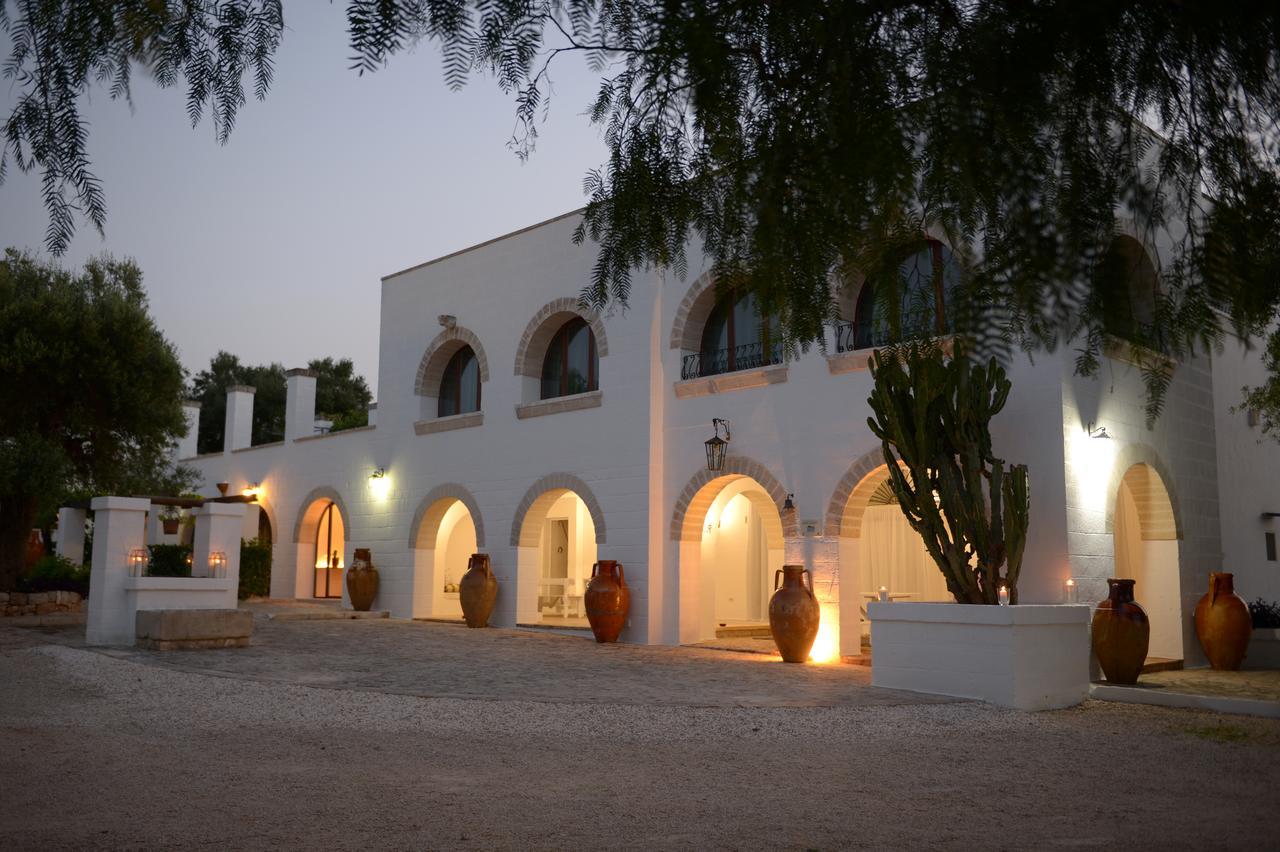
(1248, 476)
(637, 451)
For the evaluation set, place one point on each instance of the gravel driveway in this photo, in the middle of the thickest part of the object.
(126, 751)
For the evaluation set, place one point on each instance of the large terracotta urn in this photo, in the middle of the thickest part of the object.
(1121, 633)
(793, 614)
(362, 580)
(35, 550)
(607, 600)
(1223, 624)
(478, 590)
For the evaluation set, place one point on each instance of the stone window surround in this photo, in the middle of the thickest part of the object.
(466, 420)
(559, 404)
(756, 377)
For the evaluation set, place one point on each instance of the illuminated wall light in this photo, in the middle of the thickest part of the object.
(379, 484)
(217, 563)
(253, 490)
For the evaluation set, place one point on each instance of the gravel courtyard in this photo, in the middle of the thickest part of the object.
(358, 735)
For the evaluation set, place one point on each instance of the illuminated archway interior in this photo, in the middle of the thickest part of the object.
(1146, 550)
(455, 541)
(329, 545)
(740, 549)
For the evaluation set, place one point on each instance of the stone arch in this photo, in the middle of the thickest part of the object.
(437, 355)
(309, 512)
(545, 323)
(853, 493)
(692, 313)
(431, 512)
(694, 501)
(539, 498)
(1140, 467)
(267, 510)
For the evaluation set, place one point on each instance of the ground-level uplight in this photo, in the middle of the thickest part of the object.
(716, 445)
(826, 647)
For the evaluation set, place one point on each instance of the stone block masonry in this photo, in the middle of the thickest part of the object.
(190, 629)
(39, 603)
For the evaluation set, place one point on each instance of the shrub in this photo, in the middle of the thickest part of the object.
(169, 560)
(56, 574)
(1265, 614)
(255, 569)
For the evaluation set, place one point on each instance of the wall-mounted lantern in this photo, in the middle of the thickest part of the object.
(716, 445)
(1096, 431)
(379, 483)
(139, 558)
(253, 491)
(217, 564)
(789, 504)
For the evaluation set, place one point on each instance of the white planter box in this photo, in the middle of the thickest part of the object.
(1264, 649)
(1031, 657)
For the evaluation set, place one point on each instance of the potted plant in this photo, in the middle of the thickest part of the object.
(932, 414)
(169, 519)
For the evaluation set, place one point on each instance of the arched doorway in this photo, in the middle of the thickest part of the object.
(878, 549)
(445, 532)
(320, 537)
(557, 532)
(1146, 550)
(329, 545)
(730, 532)
(741, 549)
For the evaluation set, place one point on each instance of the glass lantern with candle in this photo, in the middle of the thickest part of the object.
(138, 561)
(217, 564)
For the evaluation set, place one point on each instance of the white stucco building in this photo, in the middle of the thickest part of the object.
(511, 421)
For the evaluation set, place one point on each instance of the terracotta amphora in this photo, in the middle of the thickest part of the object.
(607, 600)
(1223, 624)
(478, 590)
(35, 550)
(362, 580)
(793, 614)
(1121, 633)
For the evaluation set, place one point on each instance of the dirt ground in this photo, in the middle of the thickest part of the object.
(121, 752)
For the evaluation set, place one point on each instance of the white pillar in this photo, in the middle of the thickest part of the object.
(218, 527)
(117, 529)
(187, 444)
(238, 433)
(71, 534)
(299, 404)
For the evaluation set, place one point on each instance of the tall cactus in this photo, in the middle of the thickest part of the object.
(933, 415)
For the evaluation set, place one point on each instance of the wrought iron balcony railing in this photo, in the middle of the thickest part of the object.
(745, 357)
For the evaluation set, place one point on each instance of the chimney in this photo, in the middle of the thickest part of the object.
(238, 433)
(373, 414)
(187, 443)
(299, 404)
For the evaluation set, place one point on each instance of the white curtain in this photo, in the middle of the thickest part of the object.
(893, 556)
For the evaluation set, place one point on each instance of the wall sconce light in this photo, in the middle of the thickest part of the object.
(716, 445)
(139, 558)
(253, 491)
(1096, 431)
(789, 505)
(379, 483)
(217, 563)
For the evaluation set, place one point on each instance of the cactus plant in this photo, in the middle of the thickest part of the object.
(933, 415)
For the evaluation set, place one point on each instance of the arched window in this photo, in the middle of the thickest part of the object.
(736, 337)
(460, 384)
(571, 364)
(1126, 287)
(927, 280)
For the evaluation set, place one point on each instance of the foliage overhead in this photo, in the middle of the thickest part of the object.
(807, 142)
(933, 417)
(90, 392)
(341, 396)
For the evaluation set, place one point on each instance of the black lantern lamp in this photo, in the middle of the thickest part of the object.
(716, 445)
